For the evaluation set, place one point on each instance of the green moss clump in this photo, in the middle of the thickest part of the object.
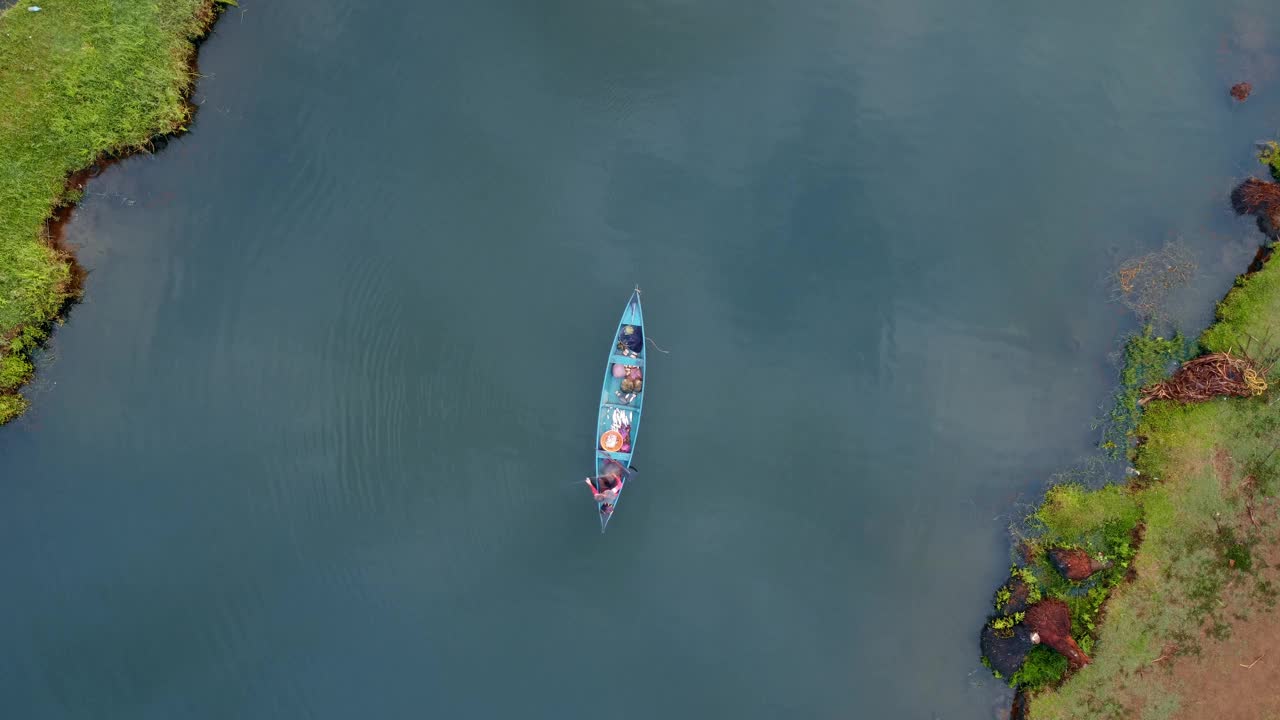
(1006, 622)
(1043, 667)
(1034, 591)
(1099, 520)
(1269, 155)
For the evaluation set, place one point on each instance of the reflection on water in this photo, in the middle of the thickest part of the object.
(313, 445)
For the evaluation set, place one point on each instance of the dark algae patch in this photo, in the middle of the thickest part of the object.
(1119, 591)
(81, 81)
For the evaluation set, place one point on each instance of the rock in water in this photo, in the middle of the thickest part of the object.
(1240, 91)
(1006, 650)
(1018, 592)
(1051, 620)
(1075, 564)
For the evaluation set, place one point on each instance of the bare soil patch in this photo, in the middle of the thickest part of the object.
(1237, 678)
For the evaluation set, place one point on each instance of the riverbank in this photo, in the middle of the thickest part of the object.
(1176, 587)
(80, 81)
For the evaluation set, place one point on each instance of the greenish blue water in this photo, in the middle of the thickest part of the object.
(313, 445)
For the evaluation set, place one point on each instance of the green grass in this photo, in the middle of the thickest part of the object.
(1097, 519)
(80, 79)
(1043, 667)
(1193, 528)
(1200, 465)
(1147, 359)
(1270, 156)
(1246, 318)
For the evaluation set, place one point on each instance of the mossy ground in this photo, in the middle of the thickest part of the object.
(78, 80)
(1203, 505)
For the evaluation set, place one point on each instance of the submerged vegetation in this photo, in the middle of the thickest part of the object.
(79, 81)
(1200, 503)
(1147, 359)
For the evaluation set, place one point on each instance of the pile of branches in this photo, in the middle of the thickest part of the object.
(1261, 199)
(1209, 376)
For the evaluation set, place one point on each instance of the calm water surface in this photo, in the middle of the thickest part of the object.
(312, 446)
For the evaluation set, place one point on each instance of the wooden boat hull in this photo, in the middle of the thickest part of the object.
(620, 411)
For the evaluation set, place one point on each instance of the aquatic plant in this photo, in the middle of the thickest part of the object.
(1007, 622)
(1042, 667)
(1147, 359)
(1269, 155)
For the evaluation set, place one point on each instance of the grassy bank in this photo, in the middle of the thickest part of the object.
(78, 80)
(1186, 537)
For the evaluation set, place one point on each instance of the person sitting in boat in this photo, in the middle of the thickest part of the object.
(606, 487)
(630, 341)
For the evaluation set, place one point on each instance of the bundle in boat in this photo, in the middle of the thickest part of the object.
(1210, 376)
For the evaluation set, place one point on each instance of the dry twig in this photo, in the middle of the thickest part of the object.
(1250, 665)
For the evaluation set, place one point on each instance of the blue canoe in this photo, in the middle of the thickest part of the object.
(619, 417)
